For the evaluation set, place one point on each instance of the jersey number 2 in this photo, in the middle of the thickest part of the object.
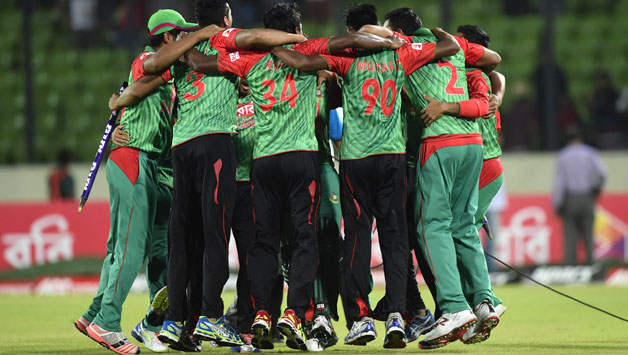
(288, 85)
(453, 79)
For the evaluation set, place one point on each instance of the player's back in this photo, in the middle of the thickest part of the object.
(489, 127)
(443, 80)
(285, 107)
(149, 122)
(372, 105)
(206, 101)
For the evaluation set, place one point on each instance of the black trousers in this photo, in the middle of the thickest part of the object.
(202, 206)
(374, 186)
(244, 233)
(288, 181)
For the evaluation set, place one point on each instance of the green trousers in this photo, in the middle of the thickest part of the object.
(139, 208)
(448, 184)
(485, 197)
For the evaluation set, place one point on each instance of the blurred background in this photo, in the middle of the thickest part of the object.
(61, 60)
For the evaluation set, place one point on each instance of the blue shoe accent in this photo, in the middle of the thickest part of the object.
(362, 332)
(395, 335)
(216, 331)
(170, 332)
(418, 326)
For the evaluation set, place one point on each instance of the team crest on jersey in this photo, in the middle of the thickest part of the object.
(234, 56)
(417, 46)
(333, 197)
(227, 32)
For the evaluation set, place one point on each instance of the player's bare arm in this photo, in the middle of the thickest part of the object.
(136, 91)
(363, 40)
(265, 38)
(436, 109)
(489, 61)
(167, 55)
(447, 44)
(199, 62)
(498, 87)
(300, 61)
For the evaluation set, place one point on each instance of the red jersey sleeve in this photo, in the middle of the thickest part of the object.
(337, 64)
(472, 52)
(138, 68)
(477, 105)
(238, 63)
(404, 37)
(415, 55)
(313, 46)
(225, 41)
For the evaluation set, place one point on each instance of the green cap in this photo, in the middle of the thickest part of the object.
(166, 20)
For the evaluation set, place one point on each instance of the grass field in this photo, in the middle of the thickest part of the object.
(537, 322)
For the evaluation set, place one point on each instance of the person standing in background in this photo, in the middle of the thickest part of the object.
(580, 176)
(60, 182)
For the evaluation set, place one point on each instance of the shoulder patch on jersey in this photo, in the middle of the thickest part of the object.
(234, 56)
(417, 46)
(146, 54)
(227, 32)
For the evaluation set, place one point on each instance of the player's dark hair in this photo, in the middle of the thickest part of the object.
(211, 12)
(475, 34)
(284, 16)
(156, 40)
(359, 15)
(405, 19)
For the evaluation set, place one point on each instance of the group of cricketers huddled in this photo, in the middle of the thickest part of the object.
(238, 131)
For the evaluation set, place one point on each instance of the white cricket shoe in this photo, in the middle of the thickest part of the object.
(487, 320)
(148, 338)
(500, 309)
(448, 328)
(362, 332)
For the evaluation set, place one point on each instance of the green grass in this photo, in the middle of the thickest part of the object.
(537, 322)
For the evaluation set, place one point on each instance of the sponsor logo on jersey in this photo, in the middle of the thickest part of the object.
(245, 110)
(227, 32)
(417, 46)
(333, 197)
(234, 56)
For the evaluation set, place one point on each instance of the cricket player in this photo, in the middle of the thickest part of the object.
(447, 176)
(139, 204)
(481, 87)
(372, 173)
(285, 168)
(204, 169)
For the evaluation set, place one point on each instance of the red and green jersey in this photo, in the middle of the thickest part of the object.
(149, 122)
(244, 141)
(206, 102)
(444, 81)
(480, 84)
(285, 98)
(371, 105)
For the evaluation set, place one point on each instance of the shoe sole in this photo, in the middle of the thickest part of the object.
(160, 302)
(97, 338)
(395, 340)
(167, 338)
(293, 340)
(261, 337)
(485, 332)
(84, 332)
(363, 339)
(325, 338)
(450, 337)
(200, 334)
